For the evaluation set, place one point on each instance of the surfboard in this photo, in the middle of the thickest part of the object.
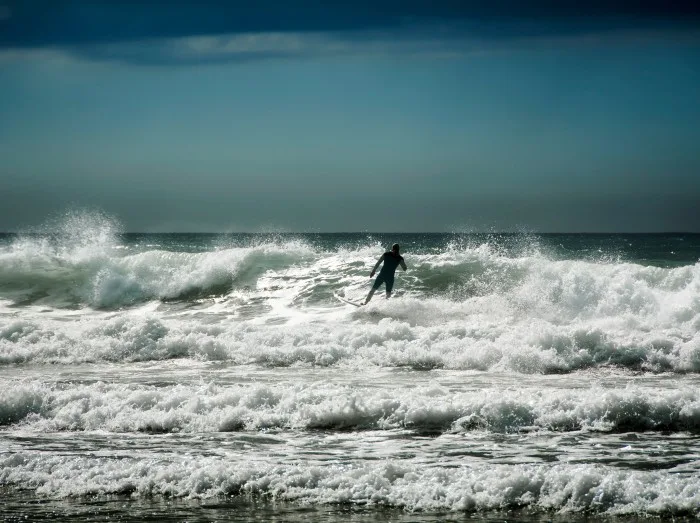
(348, 301)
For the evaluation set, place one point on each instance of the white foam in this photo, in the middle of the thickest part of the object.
(416, 333)
(407, 483)
(313, 405)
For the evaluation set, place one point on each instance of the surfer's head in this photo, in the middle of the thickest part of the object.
(395, 248)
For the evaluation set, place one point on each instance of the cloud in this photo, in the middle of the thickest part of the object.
(437, 41)
(272, 45)
(248, 47)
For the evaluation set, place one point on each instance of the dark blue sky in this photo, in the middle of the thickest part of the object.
(552, 116)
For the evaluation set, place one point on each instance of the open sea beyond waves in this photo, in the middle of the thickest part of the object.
(197, 377)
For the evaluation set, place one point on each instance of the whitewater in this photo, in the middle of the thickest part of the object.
(217, 376)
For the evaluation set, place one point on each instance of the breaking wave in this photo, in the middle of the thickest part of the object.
(328, 406)
(566, 488)
(270, 301)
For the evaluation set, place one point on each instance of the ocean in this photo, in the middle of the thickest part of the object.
(196, 377)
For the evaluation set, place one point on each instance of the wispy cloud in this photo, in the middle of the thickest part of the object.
(436, 41)
(38, 55)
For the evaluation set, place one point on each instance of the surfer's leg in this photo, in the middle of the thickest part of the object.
(376, 285)
(389, 287)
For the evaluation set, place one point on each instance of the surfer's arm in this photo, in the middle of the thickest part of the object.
(403, 264)
(376, 266)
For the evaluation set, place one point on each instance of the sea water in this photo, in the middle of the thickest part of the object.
(217, 376)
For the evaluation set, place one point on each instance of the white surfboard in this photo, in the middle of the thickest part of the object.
(344, 300)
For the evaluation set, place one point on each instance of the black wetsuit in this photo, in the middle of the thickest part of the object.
(386, 274)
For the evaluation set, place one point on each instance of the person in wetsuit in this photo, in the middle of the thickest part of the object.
(392, 259)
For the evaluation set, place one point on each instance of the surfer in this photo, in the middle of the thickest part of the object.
(392, 259)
